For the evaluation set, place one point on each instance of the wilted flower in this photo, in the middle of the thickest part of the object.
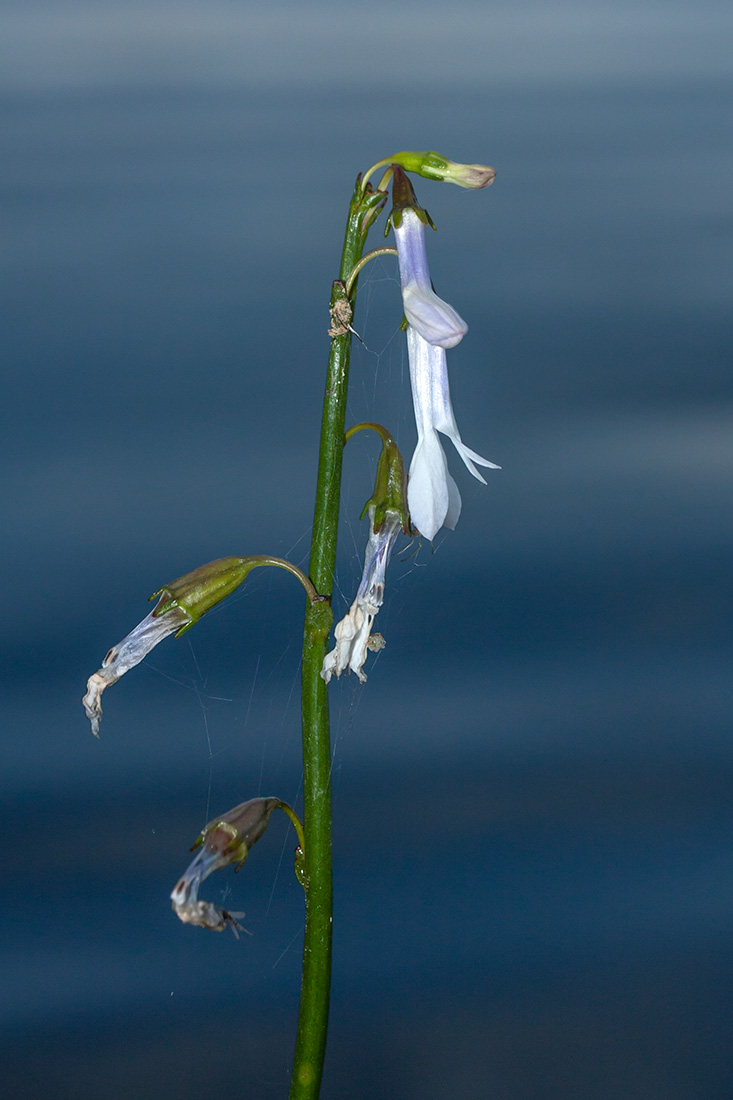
(130, 652)
(388, 516)
(225, 840)
(433, 318)
(352, 633)
(432, 494)
(181, 604)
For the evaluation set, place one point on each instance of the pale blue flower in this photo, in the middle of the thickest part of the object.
(432, 494)
(435, 320)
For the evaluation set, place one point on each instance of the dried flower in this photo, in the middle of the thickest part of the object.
(130, 652)
(352, 633)
(224, 841)
(181, 604)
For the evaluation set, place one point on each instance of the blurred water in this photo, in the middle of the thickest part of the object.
(532, 820)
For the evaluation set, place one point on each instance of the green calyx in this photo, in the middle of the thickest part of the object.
(433, 166)
(430, 166)
(403, 198)
(390, 486)
(197, 592)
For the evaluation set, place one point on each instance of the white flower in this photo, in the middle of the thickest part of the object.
(353, 632)
(432, 494)
(435, 320)
(130, 652)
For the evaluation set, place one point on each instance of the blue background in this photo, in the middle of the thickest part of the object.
(532, 793)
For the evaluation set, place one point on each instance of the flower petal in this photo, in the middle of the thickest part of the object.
(352, 633)
(429, 490)
(128, 653)
(435, 320)
(443, 417)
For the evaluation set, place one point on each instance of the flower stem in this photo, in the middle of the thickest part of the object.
(310, 1044)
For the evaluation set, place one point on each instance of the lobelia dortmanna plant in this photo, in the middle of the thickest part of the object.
(414, 503)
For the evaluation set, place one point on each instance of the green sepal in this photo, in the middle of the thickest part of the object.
(429, 165)
(403, 198)
(197, 592)
(390, 486)
(433, 166)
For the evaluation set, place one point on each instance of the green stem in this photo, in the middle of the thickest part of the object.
(295, 822)
(386, 251)
(310, 1047)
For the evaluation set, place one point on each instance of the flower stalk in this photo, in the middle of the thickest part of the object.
(420, 503)
(310, 1046)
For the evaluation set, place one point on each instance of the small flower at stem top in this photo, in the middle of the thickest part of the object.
(432, 494)
(433, 166)
(433, 318)
(224, 841)
(388, 517)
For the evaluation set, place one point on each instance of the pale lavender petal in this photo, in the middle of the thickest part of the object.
(454, 505)
(412, 256)
(435, 320)
(444, 419)
(421, 381)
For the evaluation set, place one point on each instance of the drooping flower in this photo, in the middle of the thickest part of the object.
(432, 494)
(181, 604)
(224, 841)
(130, 652)
(388, 516)
(353, 632)
(435, 320)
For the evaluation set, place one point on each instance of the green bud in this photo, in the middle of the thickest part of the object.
(433, 166)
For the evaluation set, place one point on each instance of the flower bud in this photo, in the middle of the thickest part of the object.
(433, 166)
